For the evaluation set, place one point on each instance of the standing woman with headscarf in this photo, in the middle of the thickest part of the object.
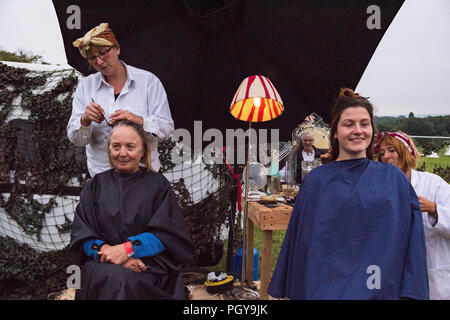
(356, 229)
(434, 197)
(116, 92)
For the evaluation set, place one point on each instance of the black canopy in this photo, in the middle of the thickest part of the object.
(202, 49)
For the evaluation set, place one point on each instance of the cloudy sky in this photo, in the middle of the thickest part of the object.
(410, 70)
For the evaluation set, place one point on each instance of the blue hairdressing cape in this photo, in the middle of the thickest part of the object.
(356, 232)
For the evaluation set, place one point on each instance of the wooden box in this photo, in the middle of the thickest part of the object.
(266, 218)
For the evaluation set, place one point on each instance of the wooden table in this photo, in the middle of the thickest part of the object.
(266, 219)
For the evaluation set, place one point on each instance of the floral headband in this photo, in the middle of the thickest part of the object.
(403, 139)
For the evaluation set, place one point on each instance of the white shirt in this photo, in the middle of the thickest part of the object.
(283, 174)
(437, 237)
(143, 94)
(308, 156)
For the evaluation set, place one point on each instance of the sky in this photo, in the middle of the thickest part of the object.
(409, 71)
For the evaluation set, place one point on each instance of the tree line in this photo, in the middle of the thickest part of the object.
(428, 126)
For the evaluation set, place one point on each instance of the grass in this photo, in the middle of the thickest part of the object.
(277, 241)
(430, 163)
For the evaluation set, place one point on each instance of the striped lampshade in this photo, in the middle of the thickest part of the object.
(256, 100)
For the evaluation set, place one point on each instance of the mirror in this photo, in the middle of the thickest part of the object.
(292, 172)
(320, 130)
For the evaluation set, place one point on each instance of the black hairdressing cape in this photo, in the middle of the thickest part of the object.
(356, 232)
(114, 207)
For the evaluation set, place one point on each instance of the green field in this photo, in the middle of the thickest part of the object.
(430, 163)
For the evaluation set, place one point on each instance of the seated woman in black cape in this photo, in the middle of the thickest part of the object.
(356, 230)
(128, 228)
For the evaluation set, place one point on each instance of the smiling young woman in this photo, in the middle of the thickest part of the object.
(354, 133)
(353, 215)
(352, 127)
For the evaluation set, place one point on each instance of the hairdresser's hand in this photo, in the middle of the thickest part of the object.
(94, 112)
(326, 157)
(126, 115)
(135, 264)
(429, 206)
(113, 254)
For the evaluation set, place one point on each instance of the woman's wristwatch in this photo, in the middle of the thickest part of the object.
(128, 248)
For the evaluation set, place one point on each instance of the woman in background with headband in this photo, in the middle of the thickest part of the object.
(434, 197)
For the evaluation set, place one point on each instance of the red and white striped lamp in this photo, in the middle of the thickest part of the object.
(256, 100)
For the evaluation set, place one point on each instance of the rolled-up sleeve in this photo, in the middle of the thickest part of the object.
(78, 134)
(158, 119)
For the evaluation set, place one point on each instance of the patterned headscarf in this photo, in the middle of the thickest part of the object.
(402, 138)
(101, 36)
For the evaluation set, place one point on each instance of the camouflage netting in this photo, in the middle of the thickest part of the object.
(42, 173)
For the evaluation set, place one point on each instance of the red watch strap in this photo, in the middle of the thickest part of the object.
(128, 247)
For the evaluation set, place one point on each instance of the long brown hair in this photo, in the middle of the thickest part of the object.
(347, 99)
(146, 158)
